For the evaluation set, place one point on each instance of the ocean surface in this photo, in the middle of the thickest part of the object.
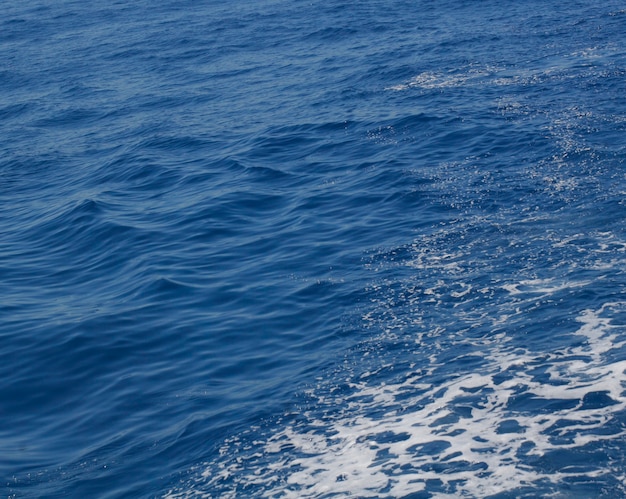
(313, 249)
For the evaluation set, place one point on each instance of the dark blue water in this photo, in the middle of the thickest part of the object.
(312, 249)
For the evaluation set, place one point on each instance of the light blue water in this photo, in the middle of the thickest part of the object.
(312, 249)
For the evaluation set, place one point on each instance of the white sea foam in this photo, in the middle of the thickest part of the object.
(474, 434)
(541, 286)
(474, 439)
(560, 67)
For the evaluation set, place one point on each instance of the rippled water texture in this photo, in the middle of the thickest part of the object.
(312, 249)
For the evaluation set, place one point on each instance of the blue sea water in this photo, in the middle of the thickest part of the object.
(312, 249)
